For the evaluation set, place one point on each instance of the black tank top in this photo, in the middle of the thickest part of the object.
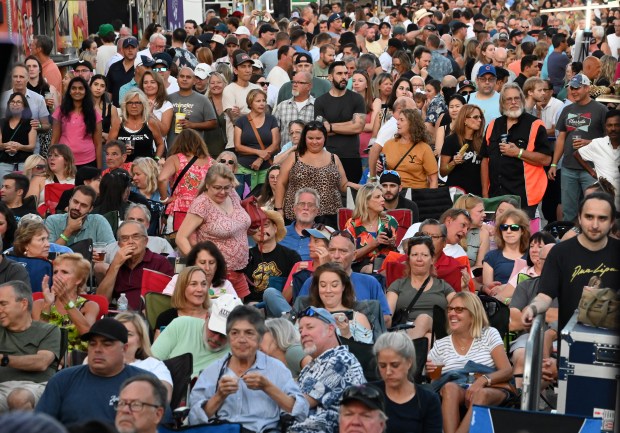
(143, 143)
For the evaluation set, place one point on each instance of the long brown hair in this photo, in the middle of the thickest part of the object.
(161, 95)
(348, 294)
(459, 127)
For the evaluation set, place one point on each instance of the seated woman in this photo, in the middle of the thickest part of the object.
(506, 204)
(435, 291)
(207, 256)
(477, 241)
(331, 289)
(138, 351)
(247, 386)
(374, 230)
(31, 240)
(62, 304)
(113, 193)
(470, 337)
(512, 241)
(408, 407)
(190, 298)
(282, 341)
(144, 173)
(60, 169)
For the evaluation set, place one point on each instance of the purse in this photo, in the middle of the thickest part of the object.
(599, 307)
(257, 216)
(401, 316)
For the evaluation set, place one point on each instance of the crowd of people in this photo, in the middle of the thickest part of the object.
(304, 308)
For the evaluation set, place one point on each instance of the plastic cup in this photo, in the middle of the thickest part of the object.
(436, 374)
(177, 126)
(99, 251)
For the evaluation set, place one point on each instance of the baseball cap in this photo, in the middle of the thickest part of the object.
(367, 394)
(480, 16)
(220, 309)
(105, 29)
(130, 42)
(145, 61)
(267, 28)
(163, 59)
(333, 17)
(458, 25)
(241, 58)
(487, 69)
(109, 328)
(515, 32)
(303, 58)
(374, 20)
(243, 30)
(320, 232)
(84, 63)
(396, 43)
(398, 30)
(218, 39)
(318, 313)
(257, 64)
(221, 27)
(391, 176)
(430, 27)
(232, 39)
(466, 83)
(385, 24)
(503, 36)
(579, 80)
(202, 70)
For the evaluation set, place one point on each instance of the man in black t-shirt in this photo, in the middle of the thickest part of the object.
(570, 265)
(13, 194)
(268, 258)
(344, 115)
(390, 181)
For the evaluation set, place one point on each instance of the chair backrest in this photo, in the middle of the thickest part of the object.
(421, 352)
(157, 210)
(394, 271)
(432, 202)
(558, 228)
(102, 301)
(181, 368)
(36, 268)
(53, 191)
(404, 218)
(343, 216)
(155, 304)
(498, 313)
(84, 247)
(439, 324)
(153, 281)
(112, 217)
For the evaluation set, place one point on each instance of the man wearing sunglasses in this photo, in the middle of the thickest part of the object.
(362, 409)
(332, 369)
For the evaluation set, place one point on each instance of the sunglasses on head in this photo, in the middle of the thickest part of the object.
(511, 227)
(344, 234)
(226, 161)
(311, 312)
(365, 391)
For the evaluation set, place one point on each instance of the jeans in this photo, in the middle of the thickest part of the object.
(574, 182)
(275, 303)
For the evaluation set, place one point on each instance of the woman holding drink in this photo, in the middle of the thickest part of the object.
(409, 408)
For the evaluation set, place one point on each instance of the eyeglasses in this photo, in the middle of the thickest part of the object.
(134, 103)
(226, 161)
(515, 99)
(512, 227)
(219, 188)
(135, 237)
(160, 69)
(487, 80)
(477, 117)
(466, 92)
(457, 310)
(344, 234)
(311, 312)
(300, 82)
(16, 102)
(363, 391)
(134, 406)
(303, 204)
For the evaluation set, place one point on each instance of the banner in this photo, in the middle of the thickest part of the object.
(174, 14)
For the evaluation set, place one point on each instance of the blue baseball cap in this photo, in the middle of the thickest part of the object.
(487, 69)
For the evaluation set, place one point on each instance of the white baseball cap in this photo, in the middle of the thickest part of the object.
(243, 30)
(202, 70)
(220, 310)
(219, 39)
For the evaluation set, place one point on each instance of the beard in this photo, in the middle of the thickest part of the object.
(295, 93)
(514, 114)
(342, 85)
(74, 214)
(310, 349)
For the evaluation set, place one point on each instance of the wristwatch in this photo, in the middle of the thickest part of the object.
(5, 360)
(69, 305)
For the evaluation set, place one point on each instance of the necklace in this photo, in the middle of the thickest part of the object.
(461, 345)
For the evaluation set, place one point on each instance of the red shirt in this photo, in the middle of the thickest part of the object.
(129, 281)
(449, 270)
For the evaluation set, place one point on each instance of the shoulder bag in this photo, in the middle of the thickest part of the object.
(260, 140)
(401, 316)
(599, 307)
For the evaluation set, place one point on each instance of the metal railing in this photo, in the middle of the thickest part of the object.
(532, 371)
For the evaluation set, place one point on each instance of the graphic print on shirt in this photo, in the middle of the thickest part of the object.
(261, 275)
(579, 122)
(599, 271)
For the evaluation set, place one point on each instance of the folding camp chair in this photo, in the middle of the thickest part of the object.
(155, 304)
(404, 218)
(181, 368)
(53, 191)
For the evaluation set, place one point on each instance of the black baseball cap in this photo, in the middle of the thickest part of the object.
(241, 58)
(367, 394)
(109, 328)
(303, 57)
(267, 28)
(84, 63)
(130, 42)
(458, 25)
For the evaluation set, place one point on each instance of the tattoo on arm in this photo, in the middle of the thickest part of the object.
(359, 118)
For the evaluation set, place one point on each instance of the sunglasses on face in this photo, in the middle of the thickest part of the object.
(160, 69)
(226, 161)
(263, 83)
(40, 167)
(511, 227)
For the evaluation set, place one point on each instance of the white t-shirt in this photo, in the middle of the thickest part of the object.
(386, 62)
(614, 44)
(155, 366)
(104, 53)
(278, 76)
(158, 112)
(606, 160)
(235, 95)
(386, 132)
(454, 250)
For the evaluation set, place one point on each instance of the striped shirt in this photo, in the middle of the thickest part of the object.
(480, 351)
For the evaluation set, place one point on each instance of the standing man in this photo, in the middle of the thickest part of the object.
(334, 25)
(157, 44)
(529, 68)
(266, 38)
(578, 124)
(300, 106)
(141, 405)
(571, 264)
(439, 66)
(557, 62)
(41, 48)
(534, 91)
(303, 63)
(182, 57)
(332, 369)
(122, 72)
(235, 94)
(344, 114)
(30, 349)
(514, 164)
(372, 45)
(612, 45)
(327, 54)
(486, 97)
(106, 51)
(190, 27)
(199, 112)
(279, 74)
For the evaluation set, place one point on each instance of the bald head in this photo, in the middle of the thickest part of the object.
(500, 55)
(591, 67)
(449, 81)
(447, 39)
(544, 252)
(401, 104)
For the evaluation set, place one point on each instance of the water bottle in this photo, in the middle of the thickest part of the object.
(383, 161)
(470, 379)
(503, 139)
(122, 304)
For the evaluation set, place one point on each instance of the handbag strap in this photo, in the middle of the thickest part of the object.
(417, 295)
(401, 160)
(260, 140)
(182, 173)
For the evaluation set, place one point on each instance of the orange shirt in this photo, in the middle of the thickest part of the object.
(51, 73)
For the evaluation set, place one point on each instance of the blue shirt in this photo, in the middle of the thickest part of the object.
(254, 409)
(366, 288)
(94, 227)
(297, 243)
(490, 107)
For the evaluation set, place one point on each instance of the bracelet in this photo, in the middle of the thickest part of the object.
(520, 154)
(488, 379)
(64, 238)
(554, 165)
(331, 129)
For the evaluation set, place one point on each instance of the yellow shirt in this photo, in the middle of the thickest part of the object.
(415, 167)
